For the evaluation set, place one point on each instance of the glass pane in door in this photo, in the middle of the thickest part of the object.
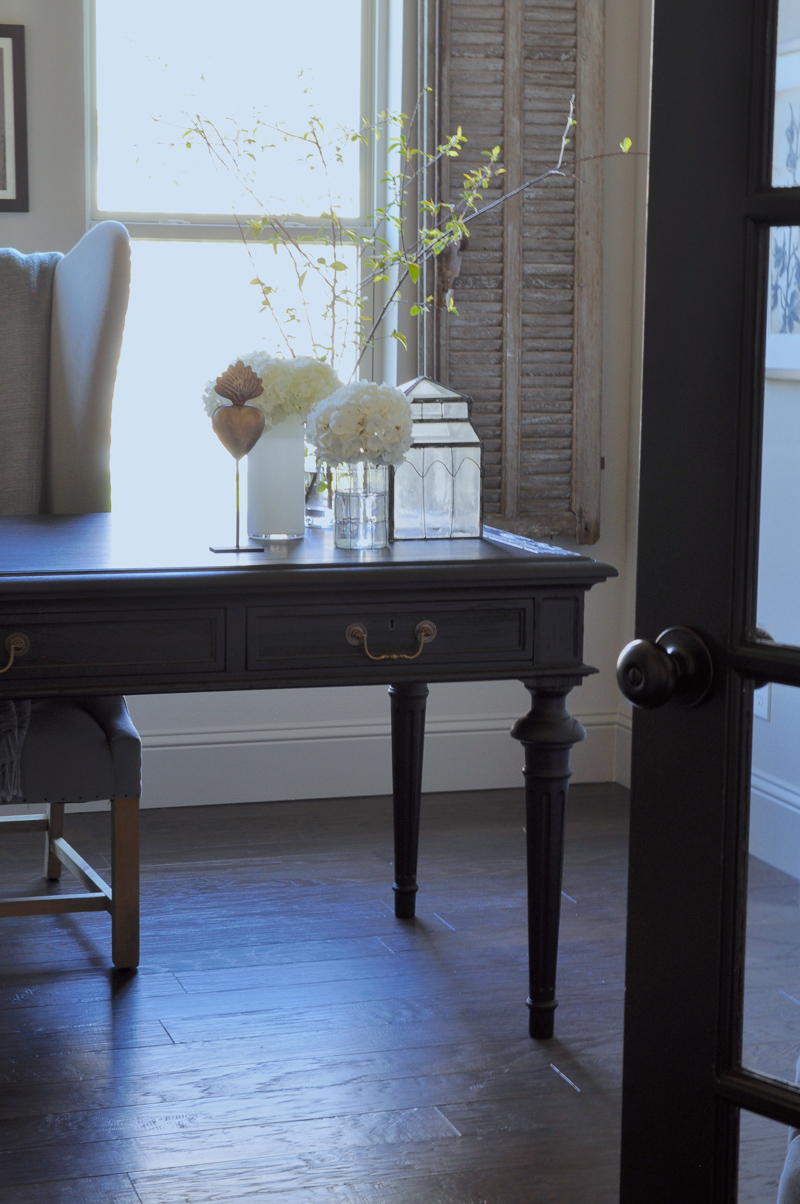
(771, 1042)
(769, 1161)
(779, 549)
(786, 128)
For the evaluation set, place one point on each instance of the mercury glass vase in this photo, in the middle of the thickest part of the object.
(361, 506)
(276, 491)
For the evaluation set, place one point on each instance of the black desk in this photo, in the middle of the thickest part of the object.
(111, 609)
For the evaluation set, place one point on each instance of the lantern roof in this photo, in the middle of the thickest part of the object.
(422, 388)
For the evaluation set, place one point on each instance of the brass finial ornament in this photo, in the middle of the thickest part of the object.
(238, 426)
(239, 384)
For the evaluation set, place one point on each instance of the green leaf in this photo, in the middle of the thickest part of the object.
(413, 271)
(401, 338)
(625, 145)
(415, 309)
(338, 266)
(301, 279)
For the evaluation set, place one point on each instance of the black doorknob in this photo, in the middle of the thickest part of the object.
(677, 668)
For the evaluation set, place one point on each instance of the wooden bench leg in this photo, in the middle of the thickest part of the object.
(55, 829)
(125, 882)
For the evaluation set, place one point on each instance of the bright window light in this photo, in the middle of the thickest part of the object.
(192, 311)
(159, 63)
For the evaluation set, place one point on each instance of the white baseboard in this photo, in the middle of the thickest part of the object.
(335, 760)
(775, 822)
(622, 759)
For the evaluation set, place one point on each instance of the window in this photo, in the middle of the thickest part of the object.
(526, 343)
(193, 307)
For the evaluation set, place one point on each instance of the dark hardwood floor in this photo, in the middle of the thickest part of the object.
(286, 1039)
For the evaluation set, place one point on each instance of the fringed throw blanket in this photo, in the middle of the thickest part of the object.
(14, 719)
(26, 297)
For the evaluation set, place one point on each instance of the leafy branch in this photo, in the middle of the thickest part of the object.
(386, 256)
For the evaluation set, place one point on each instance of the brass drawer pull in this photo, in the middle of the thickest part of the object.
(16, 645)
(425, 632)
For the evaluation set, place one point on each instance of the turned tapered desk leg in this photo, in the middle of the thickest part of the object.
(408, 735)
(548, 733)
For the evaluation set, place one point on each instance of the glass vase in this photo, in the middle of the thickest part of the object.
(361, 506)
(276, 482)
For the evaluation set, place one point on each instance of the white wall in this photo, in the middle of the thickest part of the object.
(235, 747)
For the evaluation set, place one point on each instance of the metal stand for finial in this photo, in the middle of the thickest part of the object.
(250, 547)
(237, 506)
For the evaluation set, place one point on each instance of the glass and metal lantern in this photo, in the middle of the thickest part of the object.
(436, 492)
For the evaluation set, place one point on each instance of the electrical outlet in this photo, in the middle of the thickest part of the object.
(762, 702)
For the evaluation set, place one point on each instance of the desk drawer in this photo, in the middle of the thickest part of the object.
(129, 642)
(474, 632)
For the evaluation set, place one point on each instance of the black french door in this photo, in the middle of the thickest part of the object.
(712, 1027)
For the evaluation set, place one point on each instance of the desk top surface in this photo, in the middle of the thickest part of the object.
(88, 546)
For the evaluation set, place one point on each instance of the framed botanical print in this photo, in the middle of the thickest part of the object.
(13, 121)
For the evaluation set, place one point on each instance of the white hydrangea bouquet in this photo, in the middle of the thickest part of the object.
(290, 386)
(361, 423)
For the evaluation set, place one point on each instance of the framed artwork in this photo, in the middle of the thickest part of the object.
(13, 121)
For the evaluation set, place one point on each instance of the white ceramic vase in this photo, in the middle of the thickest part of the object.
(276, 482)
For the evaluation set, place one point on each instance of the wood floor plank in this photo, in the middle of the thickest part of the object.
(535, 1174)
(45, 989)
(193, 1111)
(402, 1079)
(172, 1074)
(98, 1189)
(217, 1142)
(99, 1036)
(252, 1005)
(498, 1186)
(210, 957)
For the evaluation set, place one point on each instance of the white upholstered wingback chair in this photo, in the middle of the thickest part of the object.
(61, 322)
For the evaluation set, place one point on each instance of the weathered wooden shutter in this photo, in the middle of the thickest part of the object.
(525, 343)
